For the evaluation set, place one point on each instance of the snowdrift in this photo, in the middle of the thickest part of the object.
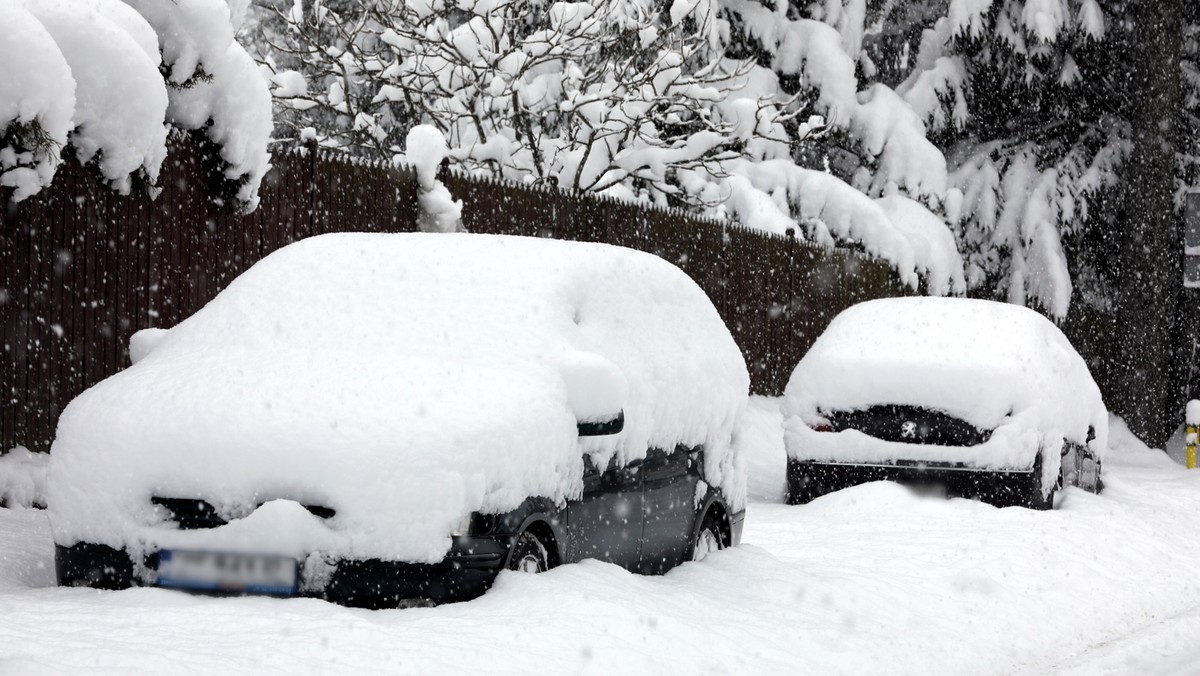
(997, 366)
(403, 381)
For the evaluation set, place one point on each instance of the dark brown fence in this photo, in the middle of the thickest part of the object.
(82, 267)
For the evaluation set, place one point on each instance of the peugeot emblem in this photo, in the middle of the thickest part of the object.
(908, 430)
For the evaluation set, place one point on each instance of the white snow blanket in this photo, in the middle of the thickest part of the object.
(404, 380)
(998, 366)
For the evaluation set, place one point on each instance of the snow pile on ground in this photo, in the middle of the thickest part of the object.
(405, 381)
(759, 440)
(869, 580)
(997, 366)
(120, 97)
(23, 478)
(37, 99)
(1123, 445)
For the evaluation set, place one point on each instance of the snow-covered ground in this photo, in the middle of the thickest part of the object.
(868, 580)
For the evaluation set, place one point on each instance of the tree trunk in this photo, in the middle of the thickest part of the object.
(1150, 247)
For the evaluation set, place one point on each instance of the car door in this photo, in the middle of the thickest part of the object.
(669, 485)
(606, 522)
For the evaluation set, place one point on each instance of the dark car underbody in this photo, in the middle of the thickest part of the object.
(809, 480)
(660, 491)
(461, 576)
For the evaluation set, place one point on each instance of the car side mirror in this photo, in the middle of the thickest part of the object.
(602, 428)
(596, 391)
(143, 342)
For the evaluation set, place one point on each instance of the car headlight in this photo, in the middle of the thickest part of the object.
(464, 526)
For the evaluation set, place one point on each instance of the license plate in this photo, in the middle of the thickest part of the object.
(227, 572)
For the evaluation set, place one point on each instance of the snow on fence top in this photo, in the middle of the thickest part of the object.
(392, 375)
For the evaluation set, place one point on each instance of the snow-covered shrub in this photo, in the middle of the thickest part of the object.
(233, 108)
(193, 35)
(120, 97)
(89, 74)
(215, 87)
(37, 99)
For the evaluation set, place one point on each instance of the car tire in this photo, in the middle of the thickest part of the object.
(528, 554)
(708, 539)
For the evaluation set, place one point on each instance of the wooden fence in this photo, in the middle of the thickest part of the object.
(82, 268)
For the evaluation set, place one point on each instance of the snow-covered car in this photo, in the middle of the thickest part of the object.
(977, 398)
(384, 419)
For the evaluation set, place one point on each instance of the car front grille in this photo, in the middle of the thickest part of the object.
(909, 424)
(196, 514)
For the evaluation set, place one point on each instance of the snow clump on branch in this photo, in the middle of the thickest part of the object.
(676, 104)
(87, 75)
(425, 150)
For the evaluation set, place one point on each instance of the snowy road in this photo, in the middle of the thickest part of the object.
(870, 580)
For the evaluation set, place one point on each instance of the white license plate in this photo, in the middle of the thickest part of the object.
(227, 572)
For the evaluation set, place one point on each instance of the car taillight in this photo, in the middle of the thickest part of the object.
(822, 427)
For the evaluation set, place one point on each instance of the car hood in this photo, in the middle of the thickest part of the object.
(401, 446)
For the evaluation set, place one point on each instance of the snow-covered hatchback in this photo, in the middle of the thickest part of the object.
(981, 399)
(392, 419)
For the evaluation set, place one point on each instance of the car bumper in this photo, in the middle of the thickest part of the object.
(466, 573)
(808, 480)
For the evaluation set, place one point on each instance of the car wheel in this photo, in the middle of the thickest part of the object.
(1044, 502)
(708, 540)
(529, 555)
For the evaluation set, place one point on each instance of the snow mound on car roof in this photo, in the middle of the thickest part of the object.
(994, 365)
(404, 381)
